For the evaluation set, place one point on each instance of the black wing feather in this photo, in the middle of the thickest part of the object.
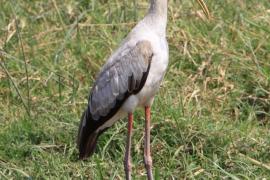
(140, 56)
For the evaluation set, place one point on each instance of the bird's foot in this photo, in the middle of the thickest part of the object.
(148, 167)
(128, 168)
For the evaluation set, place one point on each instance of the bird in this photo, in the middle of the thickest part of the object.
(129, 79)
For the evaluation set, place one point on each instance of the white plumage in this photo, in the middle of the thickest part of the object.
(130, 78)
(146, 30)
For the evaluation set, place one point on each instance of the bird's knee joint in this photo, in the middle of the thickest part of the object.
(148, 161)
(128, 166)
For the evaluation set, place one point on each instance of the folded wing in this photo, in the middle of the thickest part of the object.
(121, 77)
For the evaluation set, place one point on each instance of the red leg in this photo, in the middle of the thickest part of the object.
(147, 151)
(127, 161)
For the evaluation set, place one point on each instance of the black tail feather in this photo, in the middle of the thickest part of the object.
(87, 138)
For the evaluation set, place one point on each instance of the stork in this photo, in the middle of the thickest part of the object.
(130, 78)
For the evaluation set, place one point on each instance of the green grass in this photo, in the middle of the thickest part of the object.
(211, 118)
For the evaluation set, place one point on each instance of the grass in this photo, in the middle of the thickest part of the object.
(211, 118)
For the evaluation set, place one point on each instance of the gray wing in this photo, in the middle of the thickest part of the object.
(121, 76)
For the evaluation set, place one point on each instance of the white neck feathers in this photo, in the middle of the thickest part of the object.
(157, 16)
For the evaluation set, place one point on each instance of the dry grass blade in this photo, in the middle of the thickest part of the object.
(68, 36)
(205, 8)
(15, 86)
(13, 167)
(254, 161)
(25, 65)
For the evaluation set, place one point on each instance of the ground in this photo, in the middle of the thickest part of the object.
(211, 118)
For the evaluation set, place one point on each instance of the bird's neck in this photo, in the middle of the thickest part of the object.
(157, 15)
(159, 7)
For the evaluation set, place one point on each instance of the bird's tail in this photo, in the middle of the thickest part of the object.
(87, 137)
